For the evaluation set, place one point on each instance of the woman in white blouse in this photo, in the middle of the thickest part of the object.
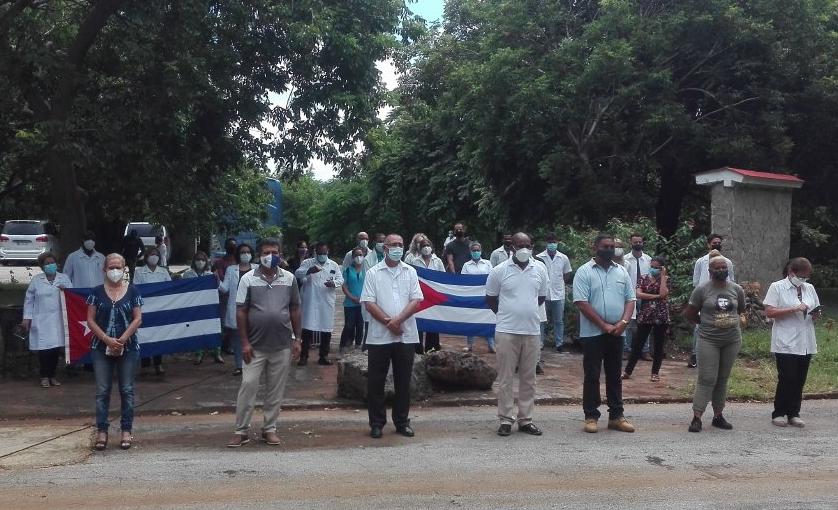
(793, 304)
(42, 317)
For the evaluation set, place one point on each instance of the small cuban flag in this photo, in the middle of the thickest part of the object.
(178, 316)
(454, 304)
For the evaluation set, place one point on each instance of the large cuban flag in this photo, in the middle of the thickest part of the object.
(178, 316)
(454, 304)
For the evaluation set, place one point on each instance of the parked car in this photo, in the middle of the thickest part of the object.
(147, 233)
(25, 240)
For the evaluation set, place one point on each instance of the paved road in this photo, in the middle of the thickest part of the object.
(455, 461)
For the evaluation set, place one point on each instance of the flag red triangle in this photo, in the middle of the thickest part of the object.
(431, 297)
(77, 334)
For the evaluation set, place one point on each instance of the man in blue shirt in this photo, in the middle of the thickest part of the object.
(604, 295)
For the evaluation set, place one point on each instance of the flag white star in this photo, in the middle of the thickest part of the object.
(87, 330)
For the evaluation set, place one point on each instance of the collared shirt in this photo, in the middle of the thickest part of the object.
(701, 271)
(268, 303)
(518, 291)
(145, 275)
(434, 263)
(500, 255)
(557, 267)
(630, 262)
(481, 266)
(606, 290)
(85, 271)
(792, 333)
(391, 289)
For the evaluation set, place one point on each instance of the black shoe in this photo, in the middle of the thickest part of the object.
(505, 429)
(539, 369)
(375, 432)
(529, 428)
(720, 423)
(695, 425)
(693, 362)
(302, 362)
(324, 362)
(406, 431)
(237, 371)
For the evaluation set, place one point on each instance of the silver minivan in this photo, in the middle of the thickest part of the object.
(25, 240)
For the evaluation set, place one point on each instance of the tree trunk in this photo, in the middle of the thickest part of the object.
(674, 185)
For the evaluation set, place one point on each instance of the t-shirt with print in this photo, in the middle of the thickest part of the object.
(268, 304)
(720, 309)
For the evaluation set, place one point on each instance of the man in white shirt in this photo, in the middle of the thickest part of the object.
(637, 264)
(503, 253)
(559, 271)
(514, 291)
(362, 240)
(319, 278)
(701, 275)
(391, 295)
(477, 265)
(84, 266)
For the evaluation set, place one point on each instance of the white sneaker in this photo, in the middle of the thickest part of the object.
(797, 422)
(779, 421)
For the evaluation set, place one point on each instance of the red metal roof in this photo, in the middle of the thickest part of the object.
(764, 175)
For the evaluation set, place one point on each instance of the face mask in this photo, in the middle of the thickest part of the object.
(618, 252)
(51, 269)
(89, 244)
(637, 247)
(153, 260)
(475, 255)
(507, 245)
(363, 243)
(717, 247)
(605, 253)
(459, 234)
(379, 246)
(269, 261)
(797, 281)
(395, 254)
(719, 275)
(322, 258)
(358, 260)
(200, 264)
(115, 275)
(245, 258)
(523, 255)
(552, 247)
(654, 271)
(426, 250)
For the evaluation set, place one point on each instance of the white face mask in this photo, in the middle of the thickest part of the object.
(379, 246)
(89, 244)
(618, 252)
(427, 250)
(797, 281)
(358, 260)
(115, 275)
(153, 260)
(200, 264)
(523, 255)
(245, 258)
(363, 243)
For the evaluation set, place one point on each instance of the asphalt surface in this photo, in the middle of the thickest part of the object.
(455, 461)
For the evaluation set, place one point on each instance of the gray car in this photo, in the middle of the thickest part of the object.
(25, 240)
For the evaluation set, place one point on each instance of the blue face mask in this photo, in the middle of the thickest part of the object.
(322, 258)
(475, 255)
(654, 271)
(51, 269)
(552, 246)
(395, 253)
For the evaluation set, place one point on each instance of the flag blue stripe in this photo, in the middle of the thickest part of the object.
(465, 301)
(450, 278)
(188, 344)
(455, 328)
(178, 286)
(179, 315)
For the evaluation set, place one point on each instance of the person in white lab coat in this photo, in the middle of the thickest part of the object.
(229, 286)
(42, 317)
(320, 277)
(84, 266)
(152, 272)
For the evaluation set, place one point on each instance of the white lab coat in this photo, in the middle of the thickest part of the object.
(319, 300)
(43, 305)
(145, 275)
(229, 286)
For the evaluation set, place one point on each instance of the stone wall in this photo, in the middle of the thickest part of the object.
(756, 224)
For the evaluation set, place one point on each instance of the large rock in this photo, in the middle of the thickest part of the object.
(352, 379)
(458, 370)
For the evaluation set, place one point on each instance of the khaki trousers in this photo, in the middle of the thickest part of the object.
(275, 365)
(521, 352)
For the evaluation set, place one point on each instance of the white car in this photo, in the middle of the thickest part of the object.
(147, 232)
(25, 240)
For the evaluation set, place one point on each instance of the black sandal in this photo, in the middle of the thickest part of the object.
(126, 443)
(101, 445)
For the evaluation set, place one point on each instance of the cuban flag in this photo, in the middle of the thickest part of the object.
(178, 316)
(454, 304)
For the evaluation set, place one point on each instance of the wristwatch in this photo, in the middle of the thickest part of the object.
(624, 322)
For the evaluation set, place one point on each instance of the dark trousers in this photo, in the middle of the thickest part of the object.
(427, 342)
(639, 340)
(146, 362)
(792, 370)
(597, 351)
(48, 361)
(380, 357)
(353, 327)
(310, 336)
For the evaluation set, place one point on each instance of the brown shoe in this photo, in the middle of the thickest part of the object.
(590, 426)
(238, 440)
(621, 424)
(270, 438)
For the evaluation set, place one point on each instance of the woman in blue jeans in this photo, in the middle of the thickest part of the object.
(114, 315)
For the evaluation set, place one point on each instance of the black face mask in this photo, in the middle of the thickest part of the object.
(717, 247)
(719, 275)
(605, 253)
(637, 247)
(459, 234)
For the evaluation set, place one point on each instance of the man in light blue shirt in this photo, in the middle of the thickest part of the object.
(604, 295)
